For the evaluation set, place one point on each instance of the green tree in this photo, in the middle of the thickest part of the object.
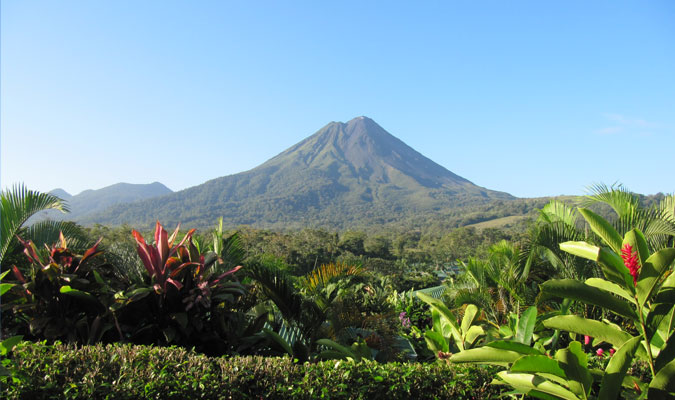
(353, 242)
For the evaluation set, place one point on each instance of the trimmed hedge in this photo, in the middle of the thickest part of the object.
(146, 372)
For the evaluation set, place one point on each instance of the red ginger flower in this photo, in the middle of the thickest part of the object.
(630, 260)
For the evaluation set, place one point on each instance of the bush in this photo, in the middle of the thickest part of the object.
(133, 372)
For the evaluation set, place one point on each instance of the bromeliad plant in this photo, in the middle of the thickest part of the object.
(160, 260)
(60, 295)
(187, 297)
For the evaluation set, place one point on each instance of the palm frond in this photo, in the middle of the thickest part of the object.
(667, 207)
(278, 287)
(17, 206)
(47, 232)
(558, 211)
(325, 273)
(622, 201)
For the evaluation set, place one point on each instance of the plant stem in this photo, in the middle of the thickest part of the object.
(649, 346)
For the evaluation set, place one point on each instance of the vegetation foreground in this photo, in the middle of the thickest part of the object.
(579, 307)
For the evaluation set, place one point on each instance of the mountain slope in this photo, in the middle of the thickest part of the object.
(92, 201)
(345, 175)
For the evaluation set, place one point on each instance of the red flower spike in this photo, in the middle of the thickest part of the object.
(631, 261)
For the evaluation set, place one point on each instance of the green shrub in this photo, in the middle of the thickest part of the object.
(132, 372)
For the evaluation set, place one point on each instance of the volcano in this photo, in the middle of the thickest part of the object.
(343, 176)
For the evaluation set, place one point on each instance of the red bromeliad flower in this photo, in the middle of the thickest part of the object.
(630, 260)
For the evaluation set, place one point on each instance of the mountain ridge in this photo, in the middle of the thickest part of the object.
(94, 200)
(342, 175)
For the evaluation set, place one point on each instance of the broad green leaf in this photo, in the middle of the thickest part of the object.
(445, 314)
(574, 362)
(486, 355)
(660, 313)
(339, 348)
(526, 383)
(8, 344)
(663, 383)
(610, 262)
(667, 292)
(505, 331)
(535, 393)
(581, 249)
(181, 318)
(436, 321)
(617, 368)
(669, 282)
(539, 365)
(573, 289)
(597, 374)
(475, 332)
(361, 349)
(652, 271)
(436, 342)
(667, 353)
(526, 326)
(277, 338)
(665, 295)
(592, 328)
(610, 287)
(603, 229)
(138, 294)
(445, 328)
(99, 278)
(5, 287)
(514, 346)
(67, 290)
(469, 317)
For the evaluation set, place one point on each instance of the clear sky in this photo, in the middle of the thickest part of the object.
(533, 98)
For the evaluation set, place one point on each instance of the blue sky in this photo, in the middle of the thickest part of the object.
(532, 98)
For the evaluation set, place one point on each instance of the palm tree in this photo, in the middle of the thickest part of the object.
(17, 206)
(497, 285)
(557, 223)
(656, 223)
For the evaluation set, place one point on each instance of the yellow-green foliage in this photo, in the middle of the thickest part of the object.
(325, 273)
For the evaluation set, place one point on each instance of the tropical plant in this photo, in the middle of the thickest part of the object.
(358, 351)
(186, 297)
(8, 370)
(638, 286)
(657, 223)
(557, 223)
(497, 285)
(328, 303)
(62, 295)
(447, 335)
(17, 206)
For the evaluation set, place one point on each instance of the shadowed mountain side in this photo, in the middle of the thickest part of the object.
(91, 201)
(343, 176)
